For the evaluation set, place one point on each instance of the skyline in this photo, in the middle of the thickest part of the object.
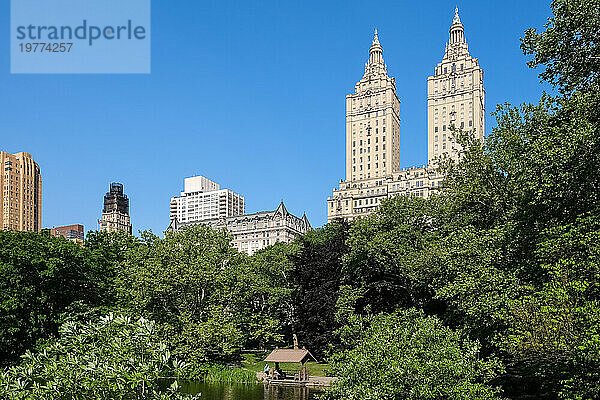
(305, 133)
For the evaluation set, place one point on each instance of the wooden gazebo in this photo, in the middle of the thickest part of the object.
(295, 355)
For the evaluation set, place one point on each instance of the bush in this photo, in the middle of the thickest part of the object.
(114, 358)
(406, 355)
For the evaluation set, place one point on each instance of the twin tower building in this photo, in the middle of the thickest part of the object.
(455, 98)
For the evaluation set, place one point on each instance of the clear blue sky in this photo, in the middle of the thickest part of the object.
(249, 94)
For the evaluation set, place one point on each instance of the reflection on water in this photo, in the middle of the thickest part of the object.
(211, 391)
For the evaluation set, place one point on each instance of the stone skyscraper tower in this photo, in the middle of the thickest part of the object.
(455, 96)
(373, 122)
(20, 193)
(115, 214)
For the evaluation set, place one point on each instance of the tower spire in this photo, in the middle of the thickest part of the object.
(457, 30)
(456, 17)
(376, 51)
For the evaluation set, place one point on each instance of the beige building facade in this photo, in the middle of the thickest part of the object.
(373, 121)
(455, 97)
(21, 194)
(253, 232)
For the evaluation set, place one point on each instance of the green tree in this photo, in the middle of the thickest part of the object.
(42, 277)
(556, 330)
(114, 358)
(568, 48)
(271, 283)
(388, 256)
(201, 291)
(316, 278)
(406, 355)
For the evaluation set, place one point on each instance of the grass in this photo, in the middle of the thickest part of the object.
(254, 362)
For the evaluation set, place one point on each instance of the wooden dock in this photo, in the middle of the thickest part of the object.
(312, 382)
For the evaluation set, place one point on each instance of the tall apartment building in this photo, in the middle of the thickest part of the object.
(21, 193)
(203, 199)
(115, 214)
(373, 122)
(73, 233)
(455, 98)
(253, 232)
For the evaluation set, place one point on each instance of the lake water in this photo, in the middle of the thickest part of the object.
(211, 391)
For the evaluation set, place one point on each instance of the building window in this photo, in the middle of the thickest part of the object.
(436, 129)
(444, 128)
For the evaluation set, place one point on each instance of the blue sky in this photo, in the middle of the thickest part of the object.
(249, 94)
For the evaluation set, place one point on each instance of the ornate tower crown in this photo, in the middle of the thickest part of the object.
(376, 51)
(375, 65)
(457, 30)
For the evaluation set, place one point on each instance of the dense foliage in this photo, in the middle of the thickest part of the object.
(316, 277)
(406, 355)
(195, 285)
(114, 358)
(40, 279)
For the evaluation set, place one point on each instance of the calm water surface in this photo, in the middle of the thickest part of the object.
(211, 391)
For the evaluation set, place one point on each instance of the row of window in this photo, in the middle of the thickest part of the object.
(462, 107)
(368, 115)
(368, 167)
(368, 150)
(453, 68)
(368, 141)
(462, 126)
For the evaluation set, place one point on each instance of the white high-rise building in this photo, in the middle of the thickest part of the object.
(203, 199)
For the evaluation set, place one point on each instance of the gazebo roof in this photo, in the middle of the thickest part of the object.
(290, 355)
